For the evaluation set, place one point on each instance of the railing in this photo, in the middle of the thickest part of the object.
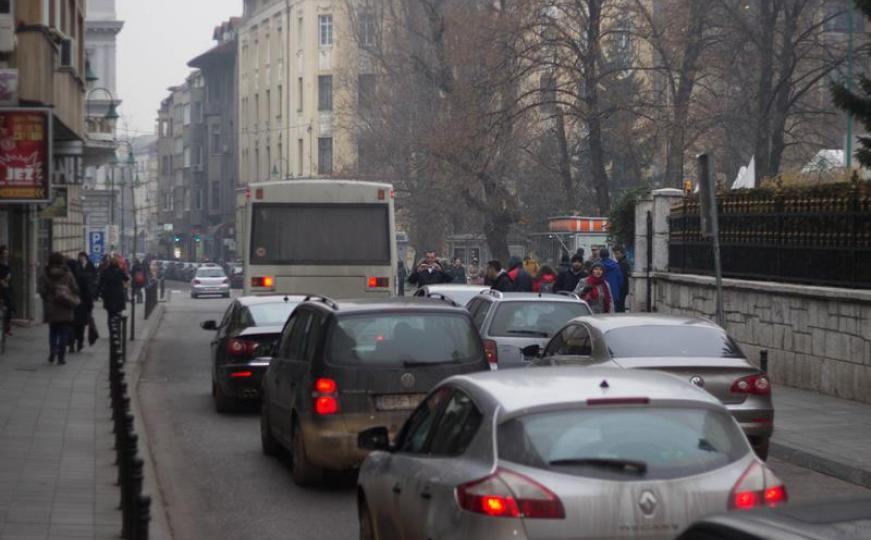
(819, 238)
(135, 507)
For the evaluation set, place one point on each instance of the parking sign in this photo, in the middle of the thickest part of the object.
(96, 245)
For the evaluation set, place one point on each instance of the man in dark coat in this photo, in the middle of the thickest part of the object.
(620, 302)
(567, 280)
(457, 271)
(429, 271)
(113, 288)
(498, 278)
(84, 272)
(519, 276)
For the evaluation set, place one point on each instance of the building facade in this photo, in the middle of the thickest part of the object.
(42, 89)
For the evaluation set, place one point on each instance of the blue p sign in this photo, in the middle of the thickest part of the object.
(96, 245)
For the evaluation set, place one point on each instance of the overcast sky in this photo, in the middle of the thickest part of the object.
(158, 40)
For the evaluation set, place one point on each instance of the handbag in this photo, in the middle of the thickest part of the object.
(93, 335)
(65, 297)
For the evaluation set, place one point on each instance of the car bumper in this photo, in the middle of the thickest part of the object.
(331, 442)
(757, 423)
(243, 380)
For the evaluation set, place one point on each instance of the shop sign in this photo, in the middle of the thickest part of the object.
(25, 155)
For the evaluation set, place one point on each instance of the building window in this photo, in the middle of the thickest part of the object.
(269, 168)
(216, 139)
(325, 93)
(164, 166)
(256, 109)
(300, 156)
(216, 196)
(187, 156)
(280, 102)
(299, 87)
(187, 199)
(187, 114)
(257, 164)
(197, 112)
(325, 155)
(300, 32)
(367, 29)
(365, 155)
(200, 155)
(268, 106)
(199, 199)
(325, 30)
(366, 91)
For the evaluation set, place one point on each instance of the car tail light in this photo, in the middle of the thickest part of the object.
(241, 374)
(757, 487)
(324, 395)
(491, 351)
(752, 384)
(378, 282)
(241, 347)
(197, 282)
(509, 494)
(265, 281)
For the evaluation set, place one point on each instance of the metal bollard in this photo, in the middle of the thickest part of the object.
(143, 517)
(130, 510)
(763, 360)
(124, 339)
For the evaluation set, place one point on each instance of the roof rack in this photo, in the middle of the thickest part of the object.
(322, 299)
(443, 298)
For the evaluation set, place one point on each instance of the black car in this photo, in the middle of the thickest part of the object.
(248, 331)
(343, 367)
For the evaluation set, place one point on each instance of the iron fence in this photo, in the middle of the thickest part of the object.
(819, 239)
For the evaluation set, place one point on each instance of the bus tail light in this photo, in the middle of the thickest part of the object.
(379, 282)
(265, 281)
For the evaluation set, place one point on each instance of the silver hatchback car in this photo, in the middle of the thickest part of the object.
(210, 279)
(559, 453)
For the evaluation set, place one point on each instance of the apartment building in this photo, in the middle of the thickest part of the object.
(42, 129)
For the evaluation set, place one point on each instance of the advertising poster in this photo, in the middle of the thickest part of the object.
(25, 155)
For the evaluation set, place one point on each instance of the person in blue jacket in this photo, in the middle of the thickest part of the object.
(613, 273)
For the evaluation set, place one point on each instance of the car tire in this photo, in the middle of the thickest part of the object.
(761, 449)
(303, 472)
(223, 402)
(193, 296)
(268, 443)
(364, 517)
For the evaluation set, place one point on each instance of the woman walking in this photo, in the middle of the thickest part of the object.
(60, 296)
(595, 291)
(113, 288)
(83, 270)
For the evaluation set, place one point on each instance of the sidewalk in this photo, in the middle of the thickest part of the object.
(57, 472)
(823, 433)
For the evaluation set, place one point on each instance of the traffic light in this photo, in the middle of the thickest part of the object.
(197, 238)
(177, 238)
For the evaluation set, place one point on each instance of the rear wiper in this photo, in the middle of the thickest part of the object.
(538, 333)
(612, 463)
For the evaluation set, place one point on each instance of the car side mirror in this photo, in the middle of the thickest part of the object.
(376, 438)
(531, 351)
(209, 325)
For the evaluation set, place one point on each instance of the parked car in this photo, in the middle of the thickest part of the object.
(830, 520)
(697, 350)
(245, 335)
(510, 322)
(210, 280)
(459, 293)
(559, 453)
(343, 367)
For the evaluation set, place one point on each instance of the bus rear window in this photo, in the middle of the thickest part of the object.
(313, 234)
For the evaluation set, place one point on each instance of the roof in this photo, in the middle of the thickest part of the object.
(518, 296)
(623, 320)
(518, 389)
(397, 303)
(274, 299)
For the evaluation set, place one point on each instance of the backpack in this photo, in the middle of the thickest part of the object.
(139, 277)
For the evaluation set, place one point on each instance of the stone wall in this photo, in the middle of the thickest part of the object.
(818, 338)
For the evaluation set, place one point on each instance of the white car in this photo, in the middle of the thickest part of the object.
(210, 280)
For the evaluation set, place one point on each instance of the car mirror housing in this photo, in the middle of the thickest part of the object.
(531, 351)
(209, 325)
(376, 438)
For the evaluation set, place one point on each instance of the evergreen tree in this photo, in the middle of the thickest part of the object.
(858, 103)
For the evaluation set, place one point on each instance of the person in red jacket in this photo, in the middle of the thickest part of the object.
(545, 281)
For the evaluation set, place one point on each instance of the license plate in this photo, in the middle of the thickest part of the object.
(398, 402)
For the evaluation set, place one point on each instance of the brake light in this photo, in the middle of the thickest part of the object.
(752, 384)
(378, 282)
(509, 494)
(241, 347)
(491, 351)
(241, 374)
(324, 395)
(265, 281)
(757, 487)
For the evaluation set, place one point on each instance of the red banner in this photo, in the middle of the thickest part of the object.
(25, 155)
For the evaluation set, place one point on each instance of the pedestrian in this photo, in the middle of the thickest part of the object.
(84, 272)
(6, 297)
(498, 278)
(401, 276)
(620, 255)
(457, 271)
(545, 281)
(568, 279)
(476, 275)
(594, 254)
(613, 274)
(60, 297)
(595, 291)
(530, 264)
(565, 262)
(139, 279)
(113, 288)
(520, 277)
(428, 271)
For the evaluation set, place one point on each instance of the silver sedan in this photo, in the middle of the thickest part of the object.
(556, 454)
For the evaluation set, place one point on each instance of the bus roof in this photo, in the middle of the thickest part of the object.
(319, 181)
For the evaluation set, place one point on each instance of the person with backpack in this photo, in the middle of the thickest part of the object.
(519, 276)
(545, 281)
(60, 297)
(139, 280)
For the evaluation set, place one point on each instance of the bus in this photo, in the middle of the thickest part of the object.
(335, 238)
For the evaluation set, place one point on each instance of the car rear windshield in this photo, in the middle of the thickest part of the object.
(210, 272)
(674, 341)
(404, 339)
(268, 314)
(671, 442)
(537, 318)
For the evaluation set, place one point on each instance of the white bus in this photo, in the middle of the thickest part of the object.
(335, 238)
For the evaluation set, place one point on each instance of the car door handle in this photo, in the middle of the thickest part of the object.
(396, 488)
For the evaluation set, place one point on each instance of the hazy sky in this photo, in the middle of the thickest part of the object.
(158, 40)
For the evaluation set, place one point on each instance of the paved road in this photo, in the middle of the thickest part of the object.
(217, 484)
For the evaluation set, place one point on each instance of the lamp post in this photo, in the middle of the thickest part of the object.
(111, 115)
(130, 163)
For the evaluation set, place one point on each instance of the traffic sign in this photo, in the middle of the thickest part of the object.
(96, 245)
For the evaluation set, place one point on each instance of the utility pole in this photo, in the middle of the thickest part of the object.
(848, 158)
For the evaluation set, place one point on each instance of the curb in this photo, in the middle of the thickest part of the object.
(820, 464)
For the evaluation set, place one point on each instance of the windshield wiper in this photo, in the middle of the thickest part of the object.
(537, 333)
(612, 463)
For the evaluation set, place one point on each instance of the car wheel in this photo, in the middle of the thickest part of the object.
(223, 402)
(268, 443)
(193, 295)
(761, 449)
(304, 473)
(367, 530)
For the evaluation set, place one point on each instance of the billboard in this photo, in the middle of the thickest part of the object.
(25, 155)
